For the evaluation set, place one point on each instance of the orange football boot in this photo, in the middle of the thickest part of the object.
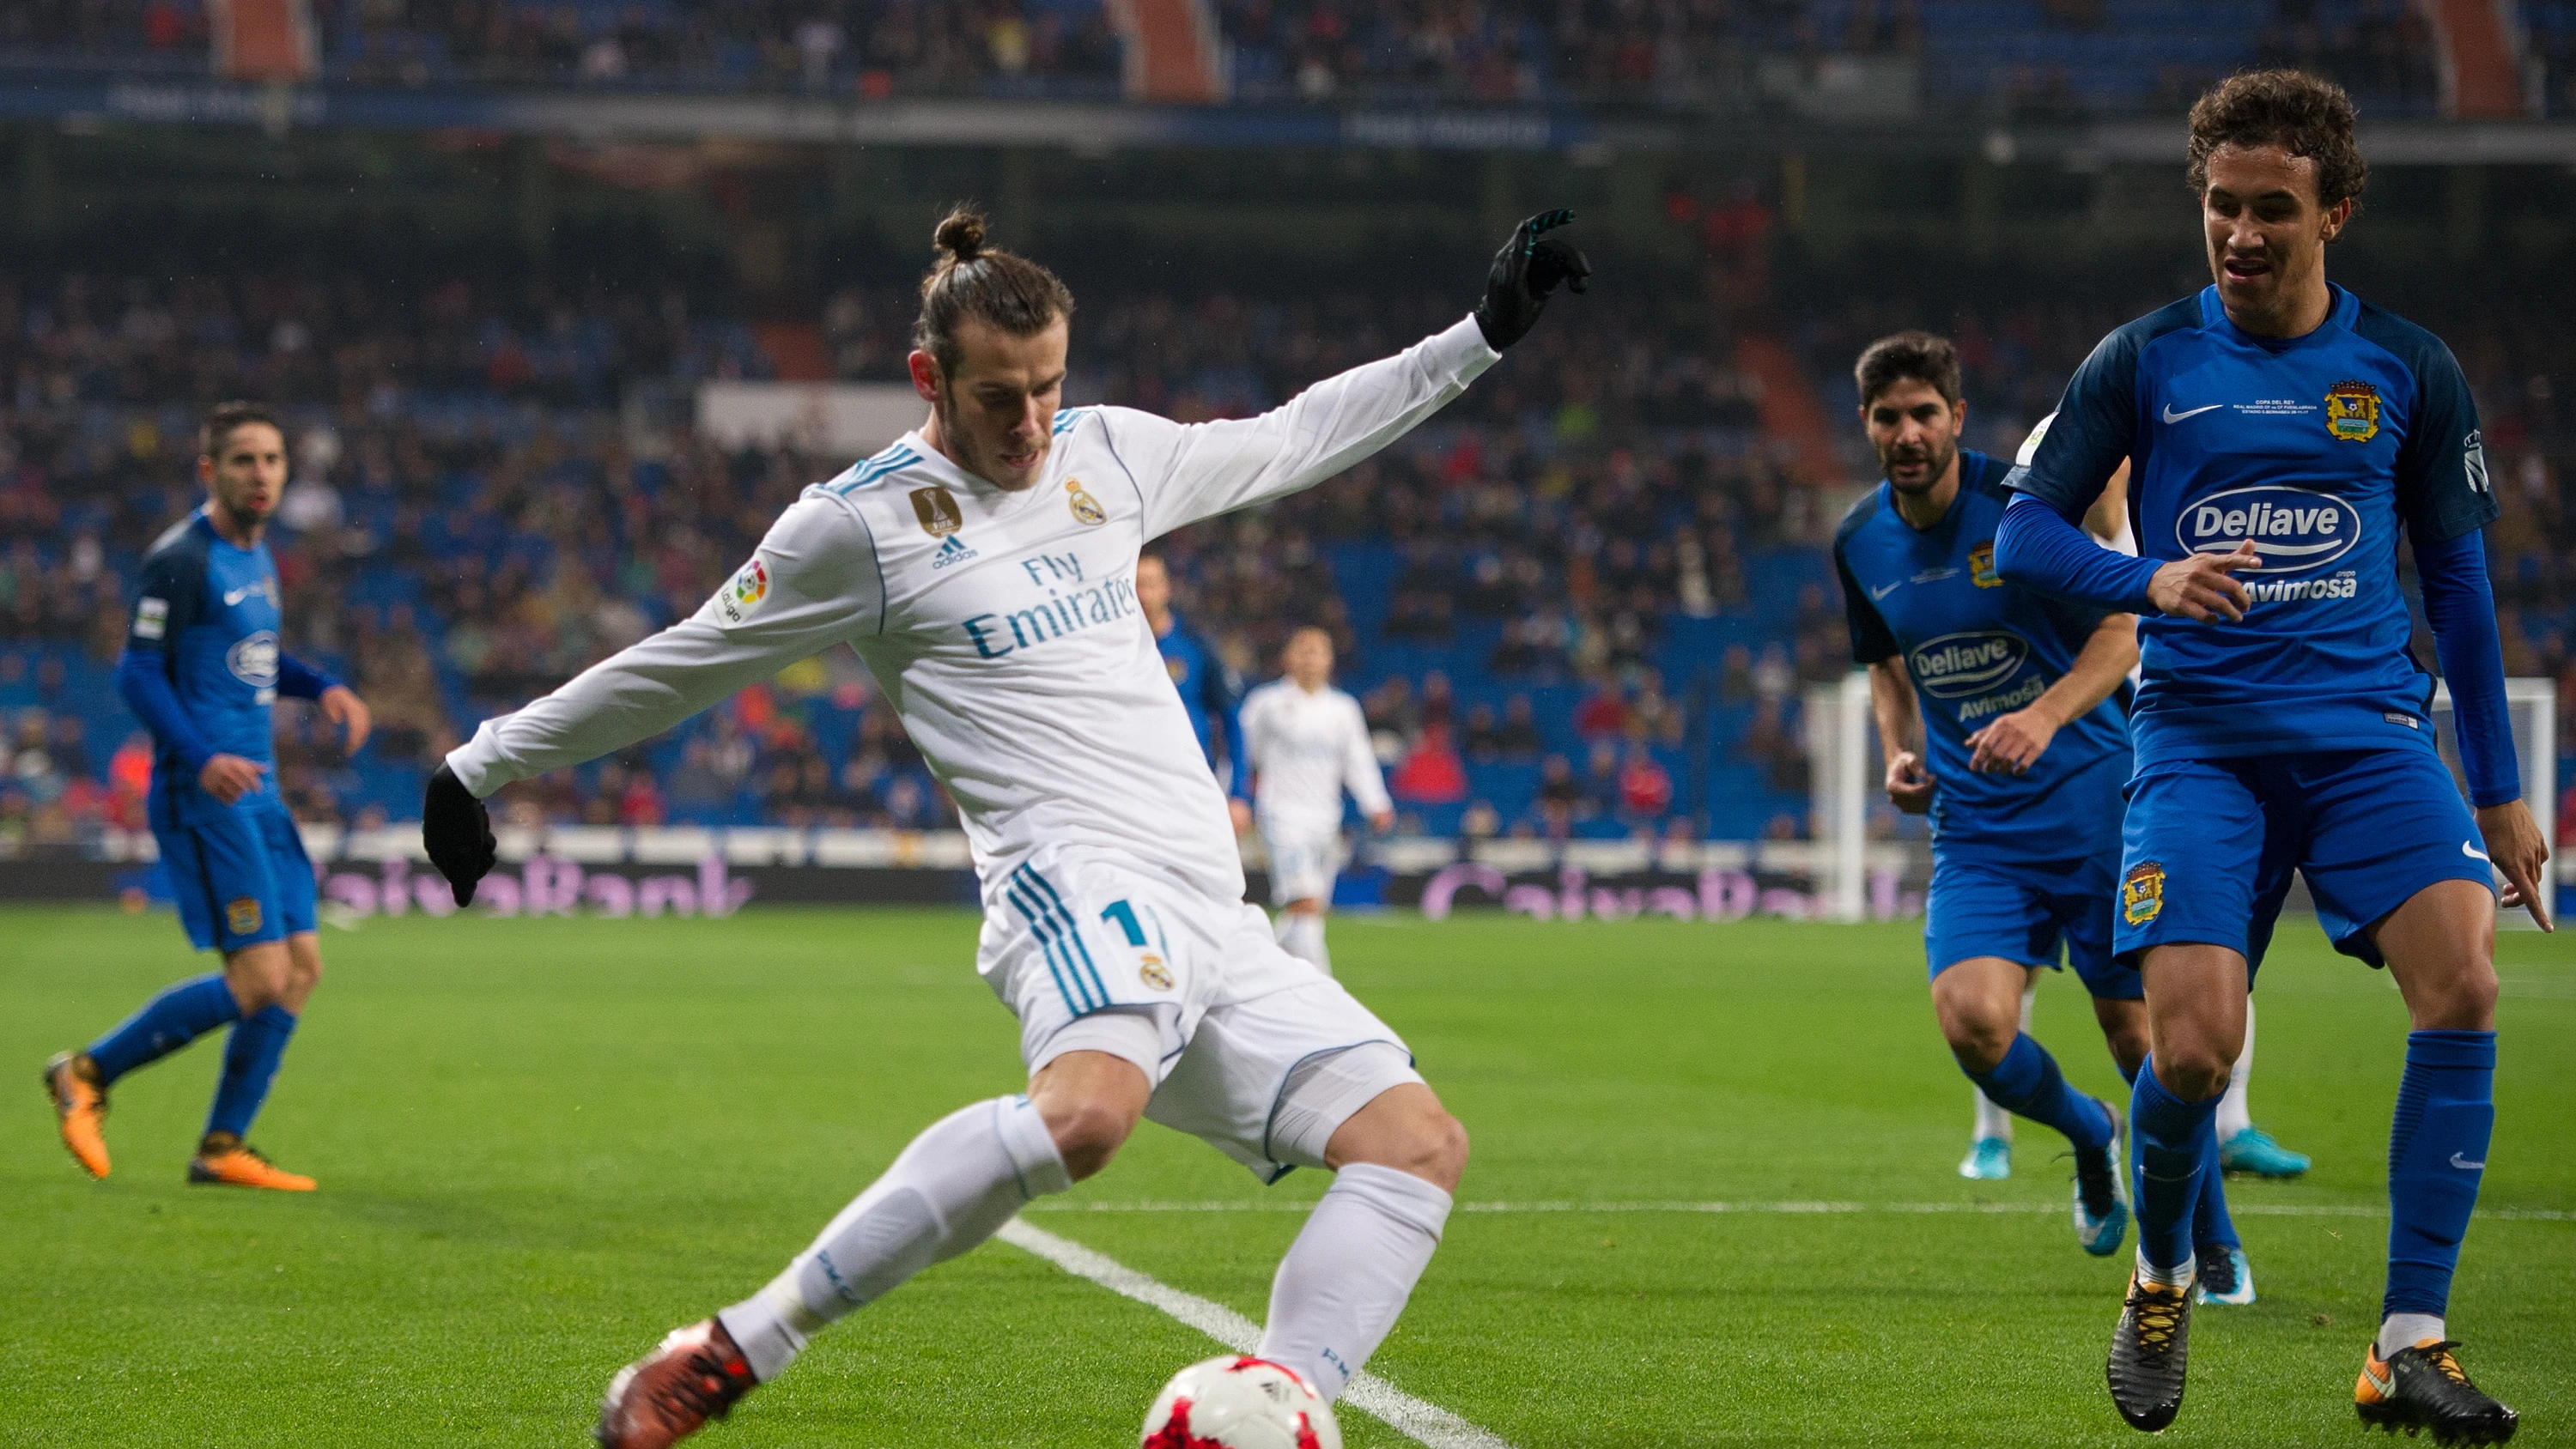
(80, 1105)
(238, 1164)
(662, 1398)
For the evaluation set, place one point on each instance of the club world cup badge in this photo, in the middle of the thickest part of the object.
(1086, 509)
(2142, 893)
(2352, 411)
(241, 915)
(1981, 567)
(937, 510)
(740, 599)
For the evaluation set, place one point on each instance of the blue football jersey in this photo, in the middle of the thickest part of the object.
(2318, 449)
(209, 609)
(1977, 648)
(1209, 690)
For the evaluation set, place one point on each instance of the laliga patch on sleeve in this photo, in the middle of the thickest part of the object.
(742, 597)
(151, 618)
(2030, 445)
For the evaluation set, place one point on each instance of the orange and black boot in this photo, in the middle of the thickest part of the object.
(2423, 1389)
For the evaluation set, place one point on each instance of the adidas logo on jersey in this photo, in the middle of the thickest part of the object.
(952, 550)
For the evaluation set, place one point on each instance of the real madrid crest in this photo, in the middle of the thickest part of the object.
(1086, 509)
(2352, 411)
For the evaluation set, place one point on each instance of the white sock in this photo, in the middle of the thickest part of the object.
(1302, 934)
(2234, 1114)
(2179, 1275)
(955, 1186)
(2405, 1330)
(1346, 1277)
(1994, 1121)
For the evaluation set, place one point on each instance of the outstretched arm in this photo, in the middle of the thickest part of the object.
(813, 583)
(1187, 472)
(1195, 471)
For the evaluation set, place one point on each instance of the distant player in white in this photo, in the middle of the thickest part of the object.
(983, 568)
(1306, 743)
(2242, 1146)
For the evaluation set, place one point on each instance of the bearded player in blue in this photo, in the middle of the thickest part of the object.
(201, 670)
(2283, 431)
(2000, 712)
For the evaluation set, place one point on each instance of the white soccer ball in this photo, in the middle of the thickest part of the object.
(1240, 1403)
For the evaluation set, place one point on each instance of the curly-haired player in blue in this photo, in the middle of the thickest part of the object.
(2282, 434)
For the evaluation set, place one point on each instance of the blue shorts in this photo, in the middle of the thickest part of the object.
(2209, 846)
(239, 878)
(2027, 912)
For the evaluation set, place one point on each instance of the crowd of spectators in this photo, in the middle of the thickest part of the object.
(871, 48)
(1587, 600)
(1672, 53)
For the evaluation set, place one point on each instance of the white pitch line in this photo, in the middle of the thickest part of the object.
(1426, 1424)
(2271, 1210)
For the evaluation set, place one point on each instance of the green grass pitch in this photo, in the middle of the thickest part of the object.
(541, 1143)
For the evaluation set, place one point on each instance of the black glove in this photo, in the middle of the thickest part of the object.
(457, 832)
(1525, 271)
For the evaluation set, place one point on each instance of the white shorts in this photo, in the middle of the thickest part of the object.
(1303, 861)
(1249, 1049)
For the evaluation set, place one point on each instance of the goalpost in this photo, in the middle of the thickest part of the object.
(1848, 771)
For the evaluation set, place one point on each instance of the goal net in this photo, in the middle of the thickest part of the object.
(1860, 839)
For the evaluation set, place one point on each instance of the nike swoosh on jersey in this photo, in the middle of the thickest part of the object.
(2174, 417)
(2464, 1165)
(1881, 593)
(2473, 853)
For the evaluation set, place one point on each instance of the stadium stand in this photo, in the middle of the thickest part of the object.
(1583, 604)
(2030, 59)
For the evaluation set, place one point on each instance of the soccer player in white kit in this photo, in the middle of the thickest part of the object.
(983, 568)
(1306, 743)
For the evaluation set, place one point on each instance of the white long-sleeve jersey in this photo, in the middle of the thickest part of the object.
(1002, 626)
(1304, 750)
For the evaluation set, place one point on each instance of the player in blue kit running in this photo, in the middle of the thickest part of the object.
(2000, 713)
(201, 670)
(2282, 430)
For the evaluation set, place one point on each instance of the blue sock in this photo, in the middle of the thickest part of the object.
(2028, 1083)
(166, 1023)
(2210, 1224)
(2173, 1144)
(2437, 1151)
(250, 1063)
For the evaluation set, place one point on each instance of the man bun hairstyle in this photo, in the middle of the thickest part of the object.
(2302, 114)
(1908, 356)
(1003, 290)
(217, 429)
